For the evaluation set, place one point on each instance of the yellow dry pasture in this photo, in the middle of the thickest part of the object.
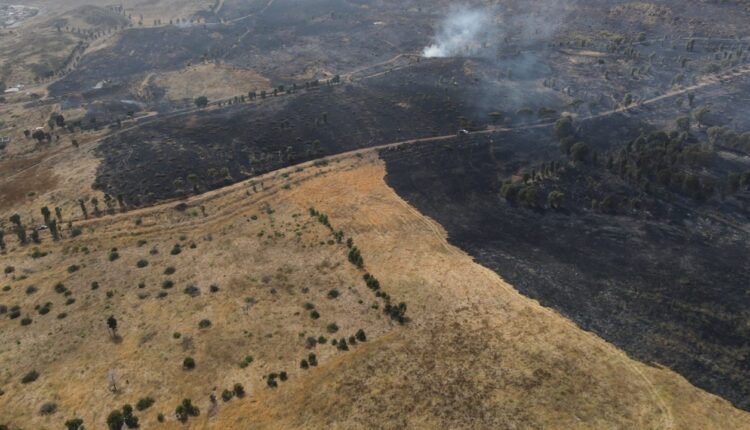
(476, 354)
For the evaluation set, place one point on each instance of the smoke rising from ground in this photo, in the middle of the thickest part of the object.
(480, 31)
(463, 32)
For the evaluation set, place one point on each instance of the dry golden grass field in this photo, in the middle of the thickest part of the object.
(474, 353)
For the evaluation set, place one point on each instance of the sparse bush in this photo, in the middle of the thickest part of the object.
(239, 390)
(31, 290)
(25, 321)
(48, 408)
(303, 364)
(62, 315)
(332, 328)
(176, 249)
(361, 335)
(167, 284)
(312, 359)
(227, 395)
(186, 410)
(192, 291)
(94, 285)
(169, 270)
(30, 377)
(144, 403)
(214, 288)
(115, 420)
(334, 293)
(188, 363)
(113, 254)
(74, 424)
(141, 264)
(73, 268)
(204, 323)
(9, 270)
(314, 315)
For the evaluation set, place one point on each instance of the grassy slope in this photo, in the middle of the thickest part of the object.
(476, 355)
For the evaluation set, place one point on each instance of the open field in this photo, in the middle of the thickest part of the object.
(473, 346)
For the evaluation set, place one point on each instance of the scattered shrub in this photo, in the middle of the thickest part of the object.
(361, 335)
(74, 424)
(31, 290)
(30, 377)
(169, 270)
(239, 390)
(167, 284)
(25, 321)
(204, 323)
(94, 285)
(192, 291)
(314, 315)
(186, 410)
(113, 254)
(214, 288)
(227, 395)
(188, 363)
(334, 293)
(73, 268)
(144, 403)
(141, 264)
(48, 408)
(332, 328)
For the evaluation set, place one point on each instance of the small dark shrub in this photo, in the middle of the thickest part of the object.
(144, 403)
(31, 290)
(239, 390)
(60, 288)
(141, 264)
(214, 288)
(204, 324)
(48, 408)
(30, 377)
(62, 316)
(314, 315)
(73, 268)
(227, 395)
(169, 270)
(361, 335)
(192, 291)
(332, 328)
(188, 363)
(74, 424)
(94, 285)
(167, 284)
(333, 293)
(25, 321)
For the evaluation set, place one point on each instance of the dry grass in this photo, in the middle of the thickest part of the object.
(210, 80)
(476, 354)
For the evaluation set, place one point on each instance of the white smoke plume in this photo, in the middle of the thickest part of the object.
(464, 32)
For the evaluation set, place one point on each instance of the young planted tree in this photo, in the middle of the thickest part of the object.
(53, 230)
(112, 326)
(46, 214)
(95, 202)
(20, 230)
(85, 211)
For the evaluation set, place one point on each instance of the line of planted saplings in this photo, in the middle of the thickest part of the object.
(395, 312)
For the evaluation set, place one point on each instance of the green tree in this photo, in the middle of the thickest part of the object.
(579, 152)
(20, 229)
(201, 102)
(115, 420)
(555, 199)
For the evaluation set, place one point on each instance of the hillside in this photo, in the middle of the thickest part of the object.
(474, 352)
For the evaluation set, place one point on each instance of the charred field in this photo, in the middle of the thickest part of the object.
(661, 274)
